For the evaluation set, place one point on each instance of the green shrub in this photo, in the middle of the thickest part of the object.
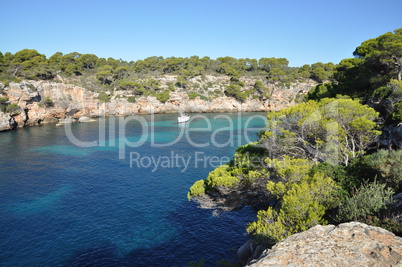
(396, 116)
(171, 87)
(47, 102)
(369, 199)
(6, 79)
(163, 96)
(250, 155)
(192, 95)
(103, 97)
(221, 176)
(388, 163)
(339, 174)
(131, 99)
(235, 91)
(196, 190)
(13, 108)
(303, 205)
(3, 103)
(203, 97)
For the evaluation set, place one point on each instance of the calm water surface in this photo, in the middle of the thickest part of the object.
(112, 203)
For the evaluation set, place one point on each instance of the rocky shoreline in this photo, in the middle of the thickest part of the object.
(39, 102)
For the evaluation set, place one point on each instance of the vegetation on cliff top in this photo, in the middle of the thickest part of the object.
(141, 77)
(320, 161)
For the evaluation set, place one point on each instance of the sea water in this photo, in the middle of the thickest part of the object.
(114, 192)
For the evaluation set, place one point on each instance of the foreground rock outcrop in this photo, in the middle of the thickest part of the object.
(348, 244)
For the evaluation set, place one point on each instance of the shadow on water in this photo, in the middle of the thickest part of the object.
(202, 233)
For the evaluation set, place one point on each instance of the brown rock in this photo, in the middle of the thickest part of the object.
(348, 244)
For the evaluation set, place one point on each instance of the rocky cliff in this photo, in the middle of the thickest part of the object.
(48, 102)
(348, 244)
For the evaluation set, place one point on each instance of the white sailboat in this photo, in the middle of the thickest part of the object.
(182, 116)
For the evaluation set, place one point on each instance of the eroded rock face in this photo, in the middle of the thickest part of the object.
(6, 122)
(68, 100)
(348, 244)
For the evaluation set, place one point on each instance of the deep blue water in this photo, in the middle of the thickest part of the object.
(108, 204)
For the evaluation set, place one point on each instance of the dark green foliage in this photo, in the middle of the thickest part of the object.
(384, 53)
(235, 91)
(100, 74)
(3, 103)
(13, 108)
(29, 63)
(339, 174)
(388, 165)
(131, 99)
(47, 102)
(262, 90)
(105, 74)
(7, 78)
(377, 61)
(322, 91)
(7, 107)
(396, 116)
(135, 87)
(103, 97)
(163, 96)
(192, 95)
(88, 61)
(369, 199)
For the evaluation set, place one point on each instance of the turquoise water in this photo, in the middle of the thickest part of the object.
(119, 199)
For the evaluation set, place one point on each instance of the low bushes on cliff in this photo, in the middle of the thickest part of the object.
(197, 189)
(369, 199)
(3, 103)
(311, 157)
(303, 199)
(7, 107)
(47, 102)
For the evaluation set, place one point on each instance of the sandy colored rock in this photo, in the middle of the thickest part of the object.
(6, 122)
(69, 100)
(348, 244)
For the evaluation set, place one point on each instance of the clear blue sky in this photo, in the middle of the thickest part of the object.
(304, 32)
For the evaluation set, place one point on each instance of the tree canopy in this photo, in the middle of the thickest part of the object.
(384, 51)
(336, 130)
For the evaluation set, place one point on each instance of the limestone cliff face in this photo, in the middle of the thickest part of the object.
(348, 244)
(68, 100)
(6, 122)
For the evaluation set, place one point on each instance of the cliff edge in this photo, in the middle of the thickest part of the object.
(348, 244)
